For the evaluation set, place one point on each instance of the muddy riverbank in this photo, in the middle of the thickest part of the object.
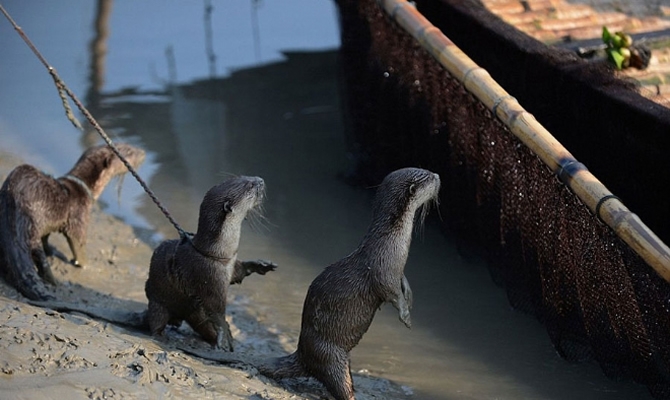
(47, 354)
(279, 117)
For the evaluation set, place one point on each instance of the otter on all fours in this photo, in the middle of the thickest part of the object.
(34, 205)
(189, 277)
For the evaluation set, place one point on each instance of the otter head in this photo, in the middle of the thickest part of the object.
(99, 164)
(226, 204)
(403, 192)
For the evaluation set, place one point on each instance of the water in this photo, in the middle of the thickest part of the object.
(271, 110)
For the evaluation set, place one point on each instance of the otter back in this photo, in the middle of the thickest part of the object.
(33, 205)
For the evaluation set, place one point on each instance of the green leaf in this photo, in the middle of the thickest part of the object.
(616, 57)
(607, 37)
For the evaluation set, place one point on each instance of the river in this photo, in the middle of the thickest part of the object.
(267, 103)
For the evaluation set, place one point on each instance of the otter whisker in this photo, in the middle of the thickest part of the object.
(423, 211)
(258, 219)
(119, 185)
(227, 174)
(421, 214)
(436, 204)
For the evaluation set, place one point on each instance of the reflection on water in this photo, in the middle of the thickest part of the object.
(98, 50)
(282, 121)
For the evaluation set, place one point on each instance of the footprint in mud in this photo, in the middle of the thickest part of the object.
(30, 352)
(145, 365)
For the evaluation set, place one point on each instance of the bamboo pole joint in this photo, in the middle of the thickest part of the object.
(606, 206)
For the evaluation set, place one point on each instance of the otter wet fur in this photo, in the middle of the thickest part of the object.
(342, 301)
(34, 205)
(189, 278)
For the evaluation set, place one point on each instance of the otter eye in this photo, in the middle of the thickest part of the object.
(412, 189)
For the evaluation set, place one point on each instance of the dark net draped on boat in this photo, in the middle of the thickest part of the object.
(596, 297)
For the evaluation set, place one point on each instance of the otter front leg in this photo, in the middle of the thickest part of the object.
(403, 302)
(77, 247)
(245, 268)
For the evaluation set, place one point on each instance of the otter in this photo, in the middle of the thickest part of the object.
(33, 205)
(343, 299)
(189, 277)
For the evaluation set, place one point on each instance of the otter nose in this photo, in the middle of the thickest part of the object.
(258, 184)
(257, 180)
(253, 180)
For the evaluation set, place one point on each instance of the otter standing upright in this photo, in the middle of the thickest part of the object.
(189, 278)
(341, 302)
(34, 205)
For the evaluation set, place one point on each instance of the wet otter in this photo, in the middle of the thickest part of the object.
(189, 278)
(341, 302)
(34, 205)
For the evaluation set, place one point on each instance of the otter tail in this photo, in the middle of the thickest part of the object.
(276, 368)
(16, 264)
(283, 367)
(133, 319)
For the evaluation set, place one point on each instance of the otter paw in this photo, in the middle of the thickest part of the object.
(262, 267)
(406, 292)
(406, 319)
(224, 340)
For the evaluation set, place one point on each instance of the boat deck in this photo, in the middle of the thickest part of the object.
(562, 22)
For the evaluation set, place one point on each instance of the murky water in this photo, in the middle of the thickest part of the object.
(271, 109)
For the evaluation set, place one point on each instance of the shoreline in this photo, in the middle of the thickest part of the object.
(49, 354)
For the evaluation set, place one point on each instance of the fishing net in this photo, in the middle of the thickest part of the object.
(597, 299)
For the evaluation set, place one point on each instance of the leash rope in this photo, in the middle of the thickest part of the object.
(64, 92)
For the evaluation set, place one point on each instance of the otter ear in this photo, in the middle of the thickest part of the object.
(108, 160)
(412, 189)
(227, 207)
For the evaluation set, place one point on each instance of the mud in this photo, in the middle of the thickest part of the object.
(48, 354)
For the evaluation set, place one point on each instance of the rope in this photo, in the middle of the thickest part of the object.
(64, 90)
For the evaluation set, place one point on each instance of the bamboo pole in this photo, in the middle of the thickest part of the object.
(523, 125)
